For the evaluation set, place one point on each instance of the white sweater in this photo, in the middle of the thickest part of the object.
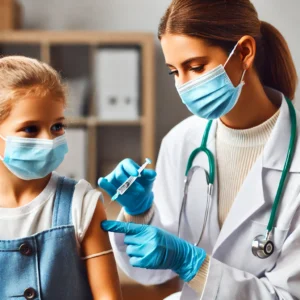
(237, 151)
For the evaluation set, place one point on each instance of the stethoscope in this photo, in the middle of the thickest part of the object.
(262, 245)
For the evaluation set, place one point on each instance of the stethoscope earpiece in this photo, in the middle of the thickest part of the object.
(262, 247)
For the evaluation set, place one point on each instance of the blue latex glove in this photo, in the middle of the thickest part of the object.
(139, 197)
(153, 248)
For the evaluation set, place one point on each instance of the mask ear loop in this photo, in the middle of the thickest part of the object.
(230, 55)
(242, 78)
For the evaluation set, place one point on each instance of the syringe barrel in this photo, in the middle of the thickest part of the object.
(126, 185)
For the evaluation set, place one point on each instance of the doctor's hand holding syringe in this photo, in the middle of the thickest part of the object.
(131, 186)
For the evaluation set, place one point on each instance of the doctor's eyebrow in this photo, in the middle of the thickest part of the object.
(196, 59)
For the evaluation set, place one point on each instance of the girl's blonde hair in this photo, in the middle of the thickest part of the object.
(21, 77)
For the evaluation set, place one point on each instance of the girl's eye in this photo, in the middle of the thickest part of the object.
(30, 129)
(197, 69)
(58, 127)
(174, 72)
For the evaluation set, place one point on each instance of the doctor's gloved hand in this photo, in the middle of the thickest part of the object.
(153, 248)
(139, 197)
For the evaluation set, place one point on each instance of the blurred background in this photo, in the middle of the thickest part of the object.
(115, 112)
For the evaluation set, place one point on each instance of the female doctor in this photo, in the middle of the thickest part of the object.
(226, 216)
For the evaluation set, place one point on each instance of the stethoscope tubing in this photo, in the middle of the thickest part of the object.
(286, 168)
(207, 207)
(211, 174)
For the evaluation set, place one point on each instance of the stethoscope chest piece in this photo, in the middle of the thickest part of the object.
(262, 247)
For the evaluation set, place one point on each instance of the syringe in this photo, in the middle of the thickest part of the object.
(127, 184)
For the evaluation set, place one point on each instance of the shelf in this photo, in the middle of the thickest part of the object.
(75, 37)
(119, 123)
(77, 121)
(94, 121)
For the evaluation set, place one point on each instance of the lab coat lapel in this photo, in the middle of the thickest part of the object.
(275, 152)
(249, 199)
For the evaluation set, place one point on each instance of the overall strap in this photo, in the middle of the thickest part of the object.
(62, 212)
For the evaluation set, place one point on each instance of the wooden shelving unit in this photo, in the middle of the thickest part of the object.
(108, 141)
(46, 46)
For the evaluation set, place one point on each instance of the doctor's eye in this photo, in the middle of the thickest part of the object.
(58, 127)
(173, 72)
(197, 69)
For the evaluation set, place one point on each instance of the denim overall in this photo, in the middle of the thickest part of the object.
(46, 265)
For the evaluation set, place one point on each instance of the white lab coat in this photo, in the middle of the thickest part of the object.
(234, 272)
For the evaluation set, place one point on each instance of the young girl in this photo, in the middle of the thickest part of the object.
(51, 244)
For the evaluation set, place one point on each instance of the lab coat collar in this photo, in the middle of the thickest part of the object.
(249, 199)
(275, 152)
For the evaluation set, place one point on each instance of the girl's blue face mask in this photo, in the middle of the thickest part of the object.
(31, 158)
(212, 95)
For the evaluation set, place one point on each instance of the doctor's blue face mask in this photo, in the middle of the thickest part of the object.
(211, 95)
(32, 158)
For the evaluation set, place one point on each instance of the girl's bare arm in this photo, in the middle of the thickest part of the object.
(102, 270)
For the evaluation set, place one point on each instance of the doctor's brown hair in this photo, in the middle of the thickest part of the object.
(21, 77)
(222, 23)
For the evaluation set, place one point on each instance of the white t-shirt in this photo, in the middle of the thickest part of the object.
(36, 216)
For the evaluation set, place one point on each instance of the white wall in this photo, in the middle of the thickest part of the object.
(144, 15)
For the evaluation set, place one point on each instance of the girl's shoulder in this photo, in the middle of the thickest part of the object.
(84, 202)
(82, 188)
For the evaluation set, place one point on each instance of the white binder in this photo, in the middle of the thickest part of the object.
(77, 93)
(117, 83)
(75, 162)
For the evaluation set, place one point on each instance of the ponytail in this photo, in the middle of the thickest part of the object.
(277, 68)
